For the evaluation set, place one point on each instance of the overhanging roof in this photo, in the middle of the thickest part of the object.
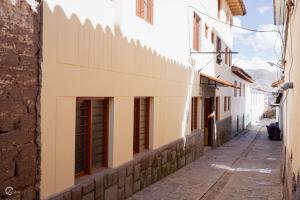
(216, 81)
(242, 74)
(277, 83)
(237, 7)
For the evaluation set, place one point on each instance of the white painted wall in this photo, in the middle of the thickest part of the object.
(95, 48)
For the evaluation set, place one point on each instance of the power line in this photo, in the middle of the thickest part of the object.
(240, 27)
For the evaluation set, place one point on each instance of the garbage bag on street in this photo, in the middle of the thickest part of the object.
(274, 131)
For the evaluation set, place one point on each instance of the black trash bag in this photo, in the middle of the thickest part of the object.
(274, 131)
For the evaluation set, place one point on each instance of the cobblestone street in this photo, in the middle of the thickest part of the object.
(247, 167)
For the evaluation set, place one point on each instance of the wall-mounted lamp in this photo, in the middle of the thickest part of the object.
(275, 65)
(287, 85)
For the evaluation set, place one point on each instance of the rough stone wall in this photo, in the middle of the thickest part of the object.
(291, 180)
(224, 132)
(19, 97)
(145, 169)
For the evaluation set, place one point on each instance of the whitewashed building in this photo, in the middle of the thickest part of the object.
(128, 89)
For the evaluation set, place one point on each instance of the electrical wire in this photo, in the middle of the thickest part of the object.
(233, 25)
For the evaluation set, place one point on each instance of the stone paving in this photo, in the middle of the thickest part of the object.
(247, 167)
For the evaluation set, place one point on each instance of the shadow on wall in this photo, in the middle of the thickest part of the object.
(100, 47)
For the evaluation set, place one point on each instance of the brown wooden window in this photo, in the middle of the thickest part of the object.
(226, 55)
(144, 9)
(141, 124)
(230, 58)
(194, 114)
(217, 108)
(196, 32)
(219, 49)
(225, 104)
(240, 89)
(206, 31)
(91, 135)
(229, 103)
(235, 88)
(219, 8)
(212, 39)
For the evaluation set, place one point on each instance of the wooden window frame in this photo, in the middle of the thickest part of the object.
(194, 113)
(229, 103)
(206, 31)
(213, 37)
(140, 10)
(226, 55)
(235, 88)
(219, 8)
(219, 49)
(196, 32)
(89, 135)
(217, 108)
(240, 89)
(225, 103)
(230, 57)
(136, 126)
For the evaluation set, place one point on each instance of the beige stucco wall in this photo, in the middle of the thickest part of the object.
(291, 103)
(82, 61)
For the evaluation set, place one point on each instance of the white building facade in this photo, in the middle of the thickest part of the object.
(122, 96)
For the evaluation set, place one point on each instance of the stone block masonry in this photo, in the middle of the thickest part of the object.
(145, 169)
(19, 99)
(224, 132)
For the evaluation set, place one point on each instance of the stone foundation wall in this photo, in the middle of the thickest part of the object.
(145, 169)
(224, 132)
(291, 180)
(19, 99)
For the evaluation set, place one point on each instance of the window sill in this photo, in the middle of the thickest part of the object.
(95, 172)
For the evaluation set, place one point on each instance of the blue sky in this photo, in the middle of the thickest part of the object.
(255, 49)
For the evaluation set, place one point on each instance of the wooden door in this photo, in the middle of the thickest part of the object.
(208, 109)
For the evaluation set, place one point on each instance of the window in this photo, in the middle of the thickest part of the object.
(217, 108)
(212, 37)
(219, 49)
(244, 88)
(219, 8)
(230, 58)
(196, 32)
(194, 114)
(240, 89)
(235, 88)
(226, 55)
(229, 103)
(91, 135)
(225, 104)
(206, 31)
(144, 9)
(141, 124)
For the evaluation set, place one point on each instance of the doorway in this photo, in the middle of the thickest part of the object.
(208, 120)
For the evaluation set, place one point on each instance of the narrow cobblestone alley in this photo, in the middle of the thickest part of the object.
(247, 167)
